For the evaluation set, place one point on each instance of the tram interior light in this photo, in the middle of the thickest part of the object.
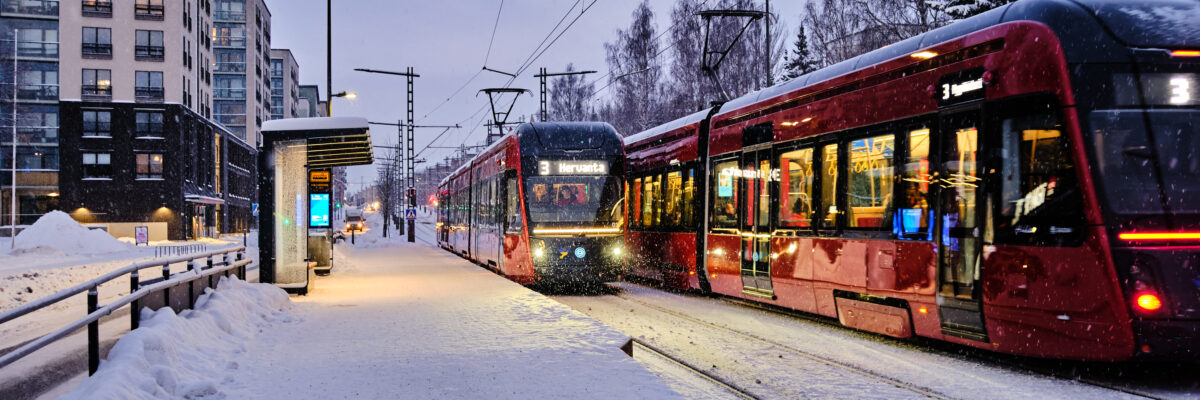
(924, 55)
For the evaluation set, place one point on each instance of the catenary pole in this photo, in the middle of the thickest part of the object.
(329, 58)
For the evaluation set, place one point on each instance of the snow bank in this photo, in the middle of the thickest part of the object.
(189, 355)
(56, 231)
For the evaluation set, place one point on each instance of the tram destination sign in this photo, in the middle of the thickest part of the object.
(960, 87)
(572, 167)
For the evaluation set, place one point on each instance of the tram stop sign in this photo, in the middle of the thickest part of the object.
(410, 214)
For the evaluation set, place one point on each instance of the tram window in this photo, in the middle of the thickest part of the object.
(672, 199)
(635, 205)
(724, 194)
(513, 218)
(689, 192)
(1039, 199)
(828, 210)
(648, 200)
(913, 216)
(796, 182)
(870, 178)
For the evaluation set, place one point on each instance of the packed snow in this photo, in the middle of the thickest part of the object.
(57, 233)
(192, 354)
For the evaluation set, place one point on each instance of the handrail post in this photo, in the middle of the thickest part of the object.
(93, 300)
(209, 262)
(225, 261)
(242, 268)
(166, 271)
(191, 266)
(134, 311)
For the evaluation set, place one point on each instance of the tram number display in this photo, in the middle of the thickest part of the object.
(1160, 89)
(960, 87)
(572, 167)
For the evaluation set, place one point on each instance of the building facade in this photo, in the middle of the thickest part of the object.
(34, 23)
(136, 120)
(310, 95)
(285, 85)
(241, 35)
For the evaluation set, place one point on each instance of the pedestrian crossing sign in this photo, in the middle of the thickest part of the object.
(410, 214)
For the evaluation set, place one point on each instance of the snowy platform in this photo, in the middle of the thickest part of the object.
(417, 322)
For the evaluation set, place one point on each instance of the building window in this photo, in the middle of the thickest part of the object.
(97, 166)
(97, 8)
(97, 123)
(35, 42)
(149, 166)
(149, 9)
(97, 42)
(149, 124)
(229, 35)
(40, 82)
(149, 85)
(97, 82)
(149, 45)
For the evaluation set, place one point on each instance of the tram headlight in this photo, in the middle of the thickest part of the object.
(617, 251)
(539, 252)
(539, 248)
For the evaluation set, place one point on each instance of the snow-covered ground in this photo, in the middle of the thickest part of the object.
(773, 355)
(53, 254)
(399, 321)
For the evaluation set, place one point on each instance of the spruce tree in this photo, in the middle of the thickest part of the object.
(800, 60)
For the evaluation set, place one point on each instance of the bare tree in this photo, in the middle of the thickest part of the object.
(388, 184)
(633, 60)
(568, 97)
(842, 29)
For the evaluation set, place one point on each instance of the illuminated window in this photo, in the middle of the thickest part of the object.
(1039, 201)
(149, 166)
(635, 205)
(796, 182)
(724, 194)
(870, 181)
(673, 199)
(912, 217)
(828, 211)
(689, 192)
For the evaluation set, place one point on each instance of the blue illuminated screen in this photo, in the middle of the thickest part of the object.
(318, 210)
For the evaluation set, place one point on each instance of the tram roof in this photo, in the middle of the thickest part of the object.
(1082, 26)
(332, 141)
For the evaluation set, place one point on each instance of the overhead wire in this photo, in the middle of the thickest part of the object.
(493, 39)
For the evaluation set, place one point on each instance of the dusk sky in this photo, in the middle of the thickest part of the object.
(447, 43)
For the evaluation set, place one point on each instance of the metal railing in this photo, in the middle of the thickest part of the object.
(179, 249)
(149, 293)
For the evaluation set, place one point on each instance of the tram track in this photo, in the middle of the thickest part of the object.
(923, 391)
(701, 373)
(1013, 363)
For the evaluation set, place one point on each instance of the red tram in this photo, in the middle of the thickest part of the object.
(541, 203)
(1025, 181)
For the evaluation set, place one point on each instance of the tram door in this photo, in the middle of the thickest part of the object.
(756, 217)
(959, 189)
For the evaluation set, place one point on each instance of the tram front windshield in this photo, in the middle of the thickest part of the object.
(580, 201)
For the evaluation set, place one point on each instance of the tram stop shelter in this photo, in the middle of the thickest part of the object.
(294, 152)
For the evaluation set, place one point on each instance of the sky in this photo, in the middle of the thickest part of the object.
(447, 42)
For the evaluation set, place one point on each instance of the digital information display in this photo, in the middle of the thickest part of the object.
(960, 87)
(1160, 89)
(572, 167)
(318, 210)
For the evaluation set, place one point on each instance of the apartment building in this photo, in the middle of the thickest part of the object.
(34, 25)
(285, 85)
(241, 35)
(136, 116)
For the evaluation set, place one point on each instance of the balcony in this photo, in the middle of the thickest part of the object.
(32, 7)
(37, 49)
(148, 53)
(97, 91)
(231, 119)
(97, 50)
(152, 12)
(229, 16)
(231, 67)
(148, 93)
(229, 94)
(97, 8)
(230, 41)
(37, 92)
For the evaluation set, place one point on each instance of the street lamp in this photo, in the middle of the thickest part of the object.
(347, 95)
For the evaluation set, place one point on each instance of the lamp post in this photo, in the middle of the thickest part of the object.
(345, 94)
(12, 209)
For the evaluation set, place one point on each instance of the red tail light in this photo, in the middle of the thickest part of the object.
(1185, 53)
(1149, 302)
(1159, 236)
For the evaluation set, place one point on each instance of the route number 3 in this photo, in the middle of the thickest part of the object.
(543, 168)
(1181, 92)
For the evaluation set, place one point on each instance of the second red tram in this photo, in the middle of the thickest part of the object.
(542, 203)
(1025, 181)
